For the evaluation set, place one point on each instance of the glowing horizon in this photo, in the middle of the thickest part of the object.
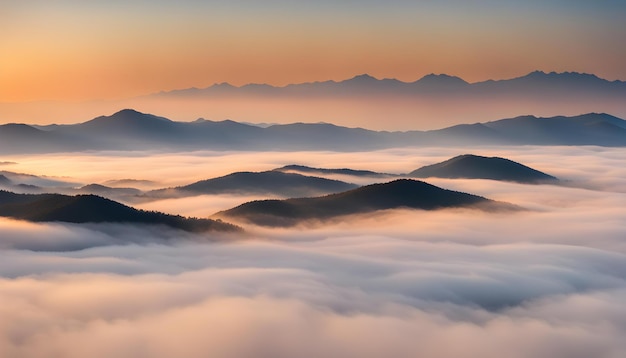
(112, 50)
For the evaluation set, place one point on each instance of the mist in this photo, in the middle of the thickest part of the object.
(545, 282)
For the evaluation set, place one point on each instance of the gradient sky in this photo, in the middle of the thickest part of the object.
(82, 50)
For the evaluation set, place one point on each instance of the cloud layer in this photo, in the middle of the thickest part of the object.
(357, 296)
(549, 282)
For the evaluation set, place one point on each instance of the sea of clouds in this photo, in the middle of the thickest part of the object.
(546, 282)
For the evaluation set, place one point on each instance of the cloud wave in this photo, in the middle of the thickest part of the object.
(549, 282)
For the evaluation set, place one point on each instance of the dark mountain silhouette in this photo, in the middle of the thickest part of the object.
(587, 129)
(131, 130)
(463, 134)
(94, 209)
(478, 167)
(127, 119)
(102, 190)
(125, 129)
(265, 183)
(440, 84)
(343, 171)
(401, 193)
(537, 83)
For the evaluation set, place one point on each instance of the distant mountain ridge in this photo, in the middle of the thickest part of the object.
(132, 130)
(401, 193)
(364, 84)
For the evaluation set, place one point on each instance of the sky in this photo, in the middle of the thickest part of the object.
(86, 50)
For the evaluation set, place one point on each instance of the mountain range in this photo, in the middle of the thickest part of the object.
(434, 101)
(400, 193)
(132, 130)
(468, 166)
(537, 83)
(273, 183)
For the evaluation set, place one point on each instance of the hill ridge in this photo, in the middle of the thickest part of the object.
(89, 208)
(365, 78)
(400, 193)
(473, 166)
(267, 183)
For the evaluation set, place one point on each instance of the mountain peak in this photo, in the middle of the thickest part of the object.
(362, 78)
(562, 75)
(441, 79)
(131, 115)
(478, 167)
(536, 73)
(223, 85)
(126, 119)
(127, 112)
(276, 183)
(95, 209)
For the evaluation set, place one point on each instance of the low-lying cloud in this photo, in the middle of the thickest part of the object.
(547, 282)
(336, 297)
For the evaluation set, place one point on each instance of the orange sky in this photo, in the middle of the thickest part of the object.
(65, 50)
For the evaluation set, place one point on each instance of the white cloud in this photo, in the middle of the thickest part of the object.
(549, 282)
